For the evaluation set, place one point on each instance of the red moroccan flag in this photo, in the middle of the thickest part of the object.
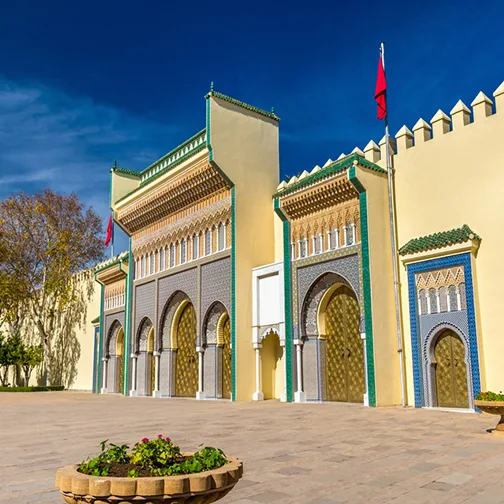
(109, 232)
(381, 89)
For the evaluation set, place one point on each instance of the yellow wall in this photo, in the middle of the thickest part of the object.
(272, 367)
(122, 184)
(456, 178)
(85, 335)
(387, 375)
(245, 147)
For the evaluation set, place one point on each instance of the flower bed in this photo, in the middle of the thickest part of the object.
(490, 402)
(153, 471)
(490, 396)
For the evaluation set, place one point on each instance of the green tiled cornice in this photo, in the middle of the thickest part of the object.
(123, 256)
(439, 240)
(126, 171)
(95, 320)
(243, 105)
(337, 166)
(183, 151)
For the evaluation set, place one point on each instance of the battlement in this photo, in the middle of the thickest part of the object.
(440, 125)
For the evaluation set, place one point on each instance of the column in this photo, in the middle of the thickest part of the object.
(354, 237)
(299, 395)
(337, 239)
(366, 397)
(157, 360)
(345, 236)
(283, 395)
(133, 391)
(104, 380)
(328, 240)
(200, 394)
(258, 395)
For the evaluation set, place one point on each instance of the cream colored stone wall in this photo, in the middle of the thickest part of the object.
(386, 361)
(245, 147)
(447, 179)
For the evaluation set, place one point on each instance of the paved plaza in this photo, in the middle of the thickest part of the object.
(292, 453)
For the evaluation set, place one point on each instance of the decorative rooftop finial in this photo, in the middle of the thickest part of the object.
(115, 163)
(272, 110)
(211, 86)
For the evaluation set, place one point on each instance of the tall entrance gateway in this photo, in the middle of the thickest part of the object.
(451, 372)
(186, 373)
(344, 348)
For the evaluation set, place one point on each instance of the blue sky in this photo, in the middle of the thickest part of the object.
(84, 83)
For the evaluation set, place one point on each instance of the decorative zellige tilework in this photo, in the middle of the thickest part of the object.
(144, 305)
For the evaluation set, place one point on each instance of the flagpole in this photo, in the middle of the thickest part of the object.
(393, 243)
(112, 239)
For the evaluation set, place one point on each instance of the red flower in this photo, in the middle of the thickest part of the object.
(168, 439)
(145, 440)
(160, 436)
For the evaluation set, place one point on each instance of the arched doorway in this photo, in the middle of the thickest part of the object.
(145, 347)
(186, 372)
(345, 380)
(450, 371)
(114, 355)
(120, 359)
(271, 367)
(226, 356)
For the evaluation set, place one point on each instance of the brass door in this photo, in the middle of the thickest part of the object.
(344, 348)
(120, 374)
(151, 382)
(451, 371)
(186, 373)
(226, 360)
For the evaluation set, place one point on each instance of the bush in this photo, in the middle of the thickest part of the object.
(51, 388)
(156, 457)
(490, 396)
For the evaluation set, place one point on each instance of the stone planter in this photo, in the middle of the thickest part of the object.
(494, 408)
(200, 488)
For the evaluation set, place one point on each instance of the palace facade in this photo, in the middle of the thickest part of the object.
(238, 287)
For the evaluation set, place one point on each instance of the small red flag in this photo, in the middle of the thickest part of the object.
(109, 232)
(381, 89)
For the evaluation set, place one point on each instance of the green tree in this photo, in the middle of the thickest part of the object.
(45, 240)
(30, 357)
(10, 353)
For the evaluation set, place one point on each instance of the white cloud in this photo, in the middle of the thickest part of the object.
(49, 138)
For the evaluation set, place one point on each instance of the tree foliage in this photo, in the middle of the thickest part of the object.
(45, 240)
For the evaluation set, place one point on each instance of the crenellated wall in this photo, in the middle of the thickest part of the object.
(449, 172)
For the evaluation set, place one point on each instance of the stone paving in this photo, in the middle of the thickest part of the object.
(292, 453)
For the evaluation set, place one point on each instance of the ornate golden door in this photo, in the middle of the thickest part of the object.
(451, 371)
(226, 360)
(119, 361)
(120, 374)
(186, 373)
(344, 348)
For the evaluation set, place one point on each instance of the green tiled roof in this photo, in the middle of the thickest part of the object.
(335, 167)
(95, 320)
(125, 171)
(123, 256)
(439, 240)
(186, 149)
(244, 105)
